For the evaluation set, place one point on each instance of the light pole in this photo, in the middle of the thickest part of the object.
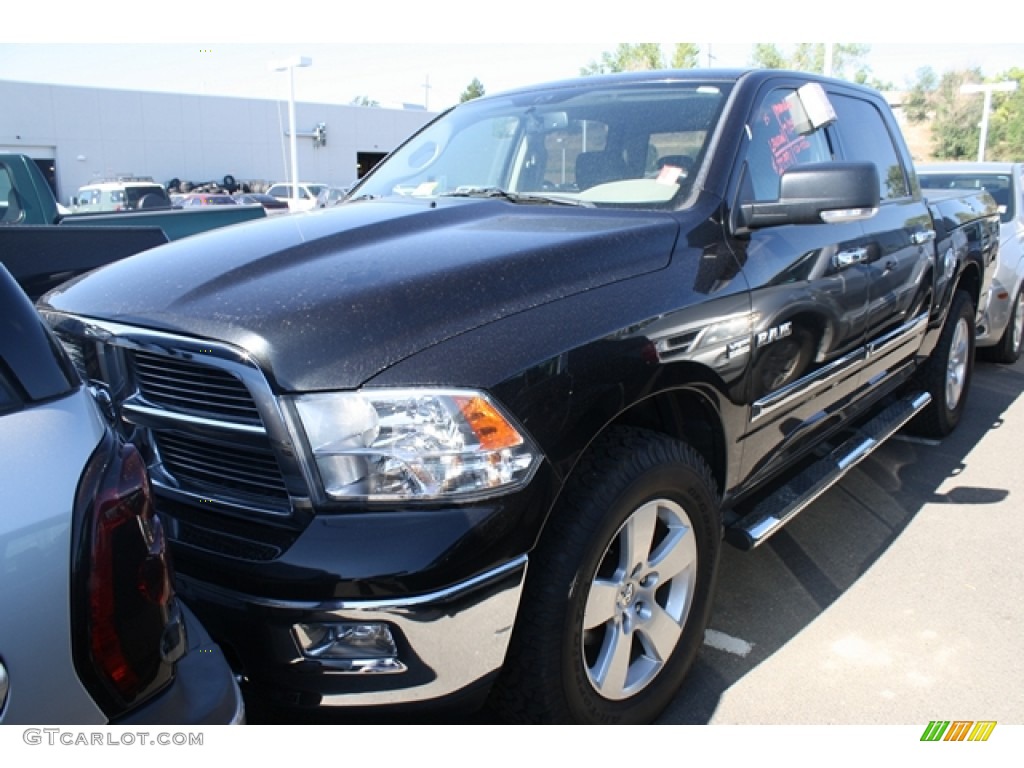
(987, 89)
(290, 64)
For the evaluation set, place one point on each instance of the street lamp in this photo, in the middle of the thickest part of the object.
(987, 89)
(290, 64)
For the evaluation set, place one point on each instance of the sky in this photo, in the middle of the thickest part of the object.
(427, 53)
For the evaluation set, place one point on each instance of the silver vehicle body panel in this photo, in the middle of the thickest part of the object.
(994, 309)
(39, 476)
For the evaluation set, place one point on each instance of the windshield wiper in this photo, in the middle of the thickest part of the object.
(515, 197)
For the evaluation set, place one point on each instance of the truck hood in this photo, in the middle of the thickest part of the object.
(327, 300)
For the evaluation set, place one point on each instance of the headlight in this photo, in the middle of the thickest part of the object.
(414, 444)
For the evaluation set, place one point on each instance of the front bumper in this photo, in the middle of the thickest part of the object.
(449, 642)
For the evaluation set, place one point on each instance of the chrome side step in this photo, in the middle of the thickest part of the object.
(787, 502)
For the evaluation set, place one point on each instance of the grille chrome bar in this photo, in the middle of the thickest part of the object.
(216, 436)
(250, 470)
(189, 386)
(142, 415)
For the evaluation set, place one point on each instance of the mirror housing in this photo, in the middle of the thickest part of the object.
(817, 193)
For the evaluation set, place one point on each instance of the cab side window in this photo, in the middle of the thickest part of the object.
(865, 138)
(776, 145)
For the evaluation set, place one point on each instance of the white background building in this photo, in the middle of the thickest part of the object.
(88, 133)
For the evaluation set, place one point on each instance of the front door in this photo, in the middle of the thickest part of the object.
(810, 289)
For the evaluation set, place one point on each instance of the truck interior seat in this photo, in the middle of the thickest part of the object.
(593, 168)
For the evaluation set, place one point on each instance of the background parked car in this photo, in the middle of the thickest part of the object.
(1001, 318)
(271, 204)
(90, 628)
(300, 197)
(332, 196)
(205, 198)
(123, 194)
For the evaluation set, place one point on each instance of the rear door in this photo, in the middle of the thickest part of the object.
(899, 247)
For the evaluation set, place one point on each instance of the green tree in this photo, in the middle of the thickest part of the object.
(956, 117)
(919, 101)
(627, 57)
(686, 56)
(1006, 121)
(474, 90)
(847, 59)
(768, 56)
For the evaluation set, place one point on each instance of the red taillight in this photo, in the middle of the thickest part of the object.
(126, 607)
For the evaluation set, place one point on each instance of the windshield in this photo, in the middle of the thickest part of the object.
(633, 144)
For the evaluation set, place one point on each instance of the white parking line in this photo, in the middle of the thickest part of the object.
(723, 642)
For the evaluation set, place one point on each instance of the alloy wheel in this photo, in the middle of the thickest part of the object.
(957, 366)
(639, 600)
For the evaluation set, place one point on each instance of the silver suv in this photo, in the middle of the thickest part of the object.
(91, 629)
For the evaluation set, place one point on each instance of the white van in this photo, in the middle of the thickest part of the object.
(306, 199)
(123, 194)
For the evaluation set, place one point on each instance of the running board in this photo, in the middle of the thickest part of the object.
(788, 501)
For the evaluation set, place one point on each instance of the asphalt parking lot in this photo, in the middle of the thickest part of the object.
(894, 599)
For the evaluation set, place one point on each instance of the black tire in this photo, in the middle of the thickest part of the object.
(1007, 351)
(946, 376)
(587, 590)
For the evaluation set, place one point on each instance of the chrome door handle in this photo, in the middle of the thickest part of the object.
(922, 237)
(845, 259)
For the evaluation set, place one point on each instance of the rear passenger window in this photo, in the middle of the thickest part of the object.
(865, 138)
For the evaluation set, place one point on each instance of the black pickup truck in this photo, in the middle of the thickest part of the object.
(482, 429)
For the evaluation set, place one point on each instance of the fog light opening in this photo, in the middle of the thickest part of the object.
(359, 647)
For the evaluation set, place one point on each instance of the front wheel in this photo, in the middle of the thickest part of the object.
(619, 590)
(946, 375)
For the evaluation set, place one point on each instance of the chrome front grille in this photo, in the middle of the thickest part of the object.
(201, 464)
(220, 450)
(190, 387)
(204, 424)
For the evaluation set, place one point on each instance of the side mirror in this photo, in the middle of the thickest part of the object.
(816, 193)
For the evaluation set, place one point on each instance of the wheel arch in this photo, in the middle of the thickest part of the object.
(970, 278)
(690, 404)
(687, 414)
